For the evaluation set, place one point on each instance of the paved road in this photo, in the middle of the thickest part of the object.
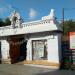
(6, 69)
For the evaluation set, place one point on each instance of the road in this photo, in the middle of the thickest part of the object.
(16, 69)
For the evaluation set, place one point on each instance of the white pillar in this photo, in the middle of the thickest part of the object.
(4, 49)
(29, 50)
(53, 49)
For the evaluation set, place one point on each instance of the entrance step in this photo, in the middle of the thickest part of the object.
(42, 62)
(6, 61)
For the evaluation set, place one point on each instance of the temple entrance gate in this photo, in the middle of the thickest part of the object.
(17, 49)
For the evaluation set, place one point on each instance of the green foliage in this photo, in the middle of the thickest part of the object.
(68, 26)
(1, 23)
(5, 22)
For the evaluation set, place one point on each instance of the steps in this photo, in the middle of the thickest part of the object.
(42, 62)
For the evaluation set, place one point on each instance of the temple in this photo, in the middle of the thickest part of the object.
(35, 42)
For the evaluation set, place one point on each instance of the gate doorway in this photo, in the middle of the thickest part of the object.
(23, 50)
(17, 49)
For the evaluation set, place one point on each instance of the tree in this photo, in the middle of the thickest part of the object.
(68, 26)
(5, 22)
(1, 23)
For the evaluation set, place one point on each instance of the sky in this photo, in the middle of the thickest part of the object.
(36, 9)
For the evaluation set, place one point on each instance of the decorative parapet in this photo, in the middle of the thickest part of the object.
(5, 27)
(50, 16)
(38, 22)
(45, 24)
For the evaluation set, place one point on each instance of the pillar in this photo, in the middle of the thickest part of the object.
(53, 49)
(29, 50)
(5, 51)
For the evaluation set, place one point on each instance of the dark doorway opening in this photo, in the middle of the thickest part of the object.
(23, 50)
(17, 49)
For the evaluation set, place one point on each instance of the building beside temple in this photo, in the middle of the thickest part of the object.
(35, 42)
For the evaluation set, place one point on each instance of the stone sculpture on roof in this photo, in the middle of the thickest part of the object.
(50, 16)
(15, 19)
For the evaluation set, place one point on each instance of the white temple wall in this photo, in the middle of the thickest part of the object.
(5, 49)
(53, 47)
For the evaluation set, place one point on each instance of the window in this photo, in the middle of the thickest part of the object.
(39, 49)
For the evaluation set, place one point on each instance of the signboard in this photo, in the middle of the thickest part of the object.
(72, 40)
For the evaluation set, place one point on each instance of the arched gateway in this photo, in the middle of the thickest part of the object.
(33, 42)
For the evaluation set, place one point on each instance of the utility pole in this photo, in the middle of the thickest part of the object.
(62, 59)
(70, 57)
